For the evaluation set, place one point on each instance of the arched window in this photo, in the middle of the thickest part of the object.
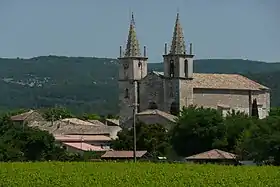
(126, 94)
(172, 67)
(152, 106)
(186, 68)
(174, 109)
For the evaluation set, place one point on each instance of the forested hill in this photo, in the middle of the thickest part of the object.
(86, 84)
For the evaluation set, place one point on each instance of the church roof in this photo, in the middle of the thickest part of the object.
(132, 45)
(222, 81)
(166, 115)
(178, 45)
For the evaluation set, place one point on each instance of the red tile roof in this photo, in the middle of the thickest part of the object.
(212, 154)
(123, 154)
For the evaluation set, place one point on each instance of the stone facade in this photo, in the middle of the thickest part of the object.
(178, 86)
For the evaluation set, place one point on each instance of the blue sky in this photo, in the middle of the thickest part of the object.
(247, 29)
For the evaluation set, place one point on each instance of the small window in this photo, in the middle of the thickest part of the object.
(172, 68)
(186, 68)
(139, 64)
(126, 94)
(125, 66)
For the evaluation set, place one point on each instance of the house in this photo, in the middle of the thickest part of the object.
(213, 156)
(153, 116)
(123, 155)
(77, 127)
(178, 85)
(81, 147)
(27, 117)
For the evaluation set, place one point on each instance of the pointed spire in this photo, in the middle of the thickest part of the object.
(132, 45)
(178, 45)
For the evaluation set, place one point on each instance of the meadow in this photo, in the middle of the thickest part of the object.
(131, 174)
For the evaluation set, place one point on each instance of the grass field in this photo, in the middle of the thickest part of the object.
(130, 174)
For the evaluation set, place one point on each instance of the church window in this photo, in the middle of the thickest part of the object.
(186, 68)
(174, 109)
(126, 94)
(172, 68)
(125, 74)
(152, 106)
(125, 65)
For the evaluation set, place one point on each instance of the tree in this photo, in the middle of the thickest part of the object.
(198, 130)
(262, 141)
(153, 138)
(236, 123)
(56, 113)
(90, 117)
(23, 143)
(255, 111)
(274, 111)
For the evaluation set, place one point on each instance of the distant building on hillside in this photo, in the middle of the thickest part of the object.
(178, 86)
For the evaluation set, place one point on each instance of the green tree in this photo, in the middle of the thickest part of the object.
(236, 123)
(56, 113)
(90, 117)
(23, 143)
(262, 141)
(153, 138)
(198, 130)
(274, 111)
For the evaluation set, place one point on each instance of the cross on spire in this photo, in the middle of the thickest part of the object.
(178, 45)
(132, 45)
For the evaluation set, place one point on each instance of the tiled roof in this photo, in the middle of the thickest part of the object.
(123, 154)
(21, 117)
(114, 121)
(84, 146)
(73, 138)
(96, 122)
(222, 81)
(166, 115)
(76, 121)
(63, 128)
(212, 154)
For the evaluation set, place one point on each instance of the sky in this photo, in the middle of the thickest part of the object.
(243, 29)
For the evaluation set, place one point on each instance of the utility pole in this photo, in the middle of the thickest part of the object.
(134, 134)
(135, 106)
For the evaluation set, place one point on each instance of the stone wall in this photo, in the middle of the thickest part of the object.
(231, 99)
(125, 104)
(151, 90)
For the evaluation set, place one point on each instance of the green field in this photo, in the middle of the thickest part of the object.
(130, 174)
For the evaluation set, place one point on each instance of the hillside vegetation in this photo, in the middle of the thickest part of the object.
(85, 84)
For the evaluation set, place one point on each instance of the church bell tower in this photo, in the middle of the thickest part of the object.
(178, 67)
(132, 68)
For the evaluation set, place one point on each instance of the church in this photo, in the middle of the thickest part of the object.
(166, 93)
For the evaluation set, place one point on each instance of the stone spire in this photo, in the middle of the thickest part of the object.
(178, 45)
(132, 45)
